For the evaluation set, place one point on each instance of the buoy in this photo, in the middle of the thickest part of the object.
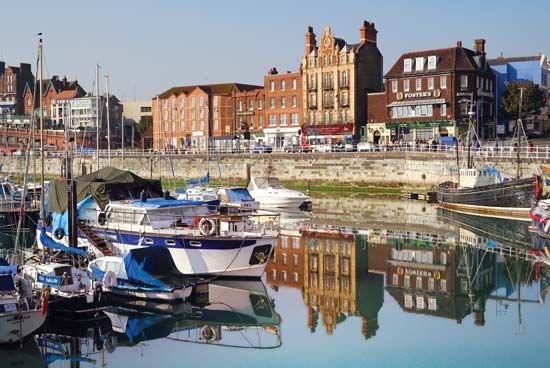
(59, 233)
(207, 226)
(101, 218)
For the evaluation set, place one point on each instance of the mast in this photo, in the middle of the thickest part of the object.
(519, 130)
(457, 160)
(41, 89)
(122, 139)
(108, 122)
(97, 113)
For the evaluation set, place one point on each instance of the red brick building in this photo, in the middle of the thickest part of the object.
(187, 117)
(12, 84)
(429, 94)
(283, 108)
(249, 117)
(286, 267)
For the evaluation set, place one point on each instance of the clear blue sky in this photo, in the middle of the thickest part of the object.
(148, 46)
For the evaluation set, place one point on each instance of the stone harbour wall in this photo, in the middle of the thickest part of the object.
(381, 169)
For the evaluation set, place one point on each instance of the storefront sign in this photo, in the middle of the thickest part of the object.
(331, 129)
(420, 124)
(415, 272)
(418, 94)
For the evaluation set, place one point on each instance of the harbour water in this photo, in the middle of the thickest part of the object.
(359, 281)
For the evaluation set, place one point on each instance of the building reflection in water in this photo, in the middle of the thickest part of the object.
(439, 269)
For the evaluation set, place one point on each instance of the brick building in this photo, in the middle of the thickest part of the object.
(286, 267)
(429, 94)
(188, 117)
(12, 85)
(283, 112)
(336, 77)
(248, 118)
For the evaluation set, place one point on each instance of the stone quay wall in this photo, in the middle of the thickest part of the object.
(379, 169)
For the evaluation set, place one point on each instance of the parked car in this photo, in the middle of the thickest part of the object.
(262, 149)
(365, 147)
(322, 148)
(297, 148)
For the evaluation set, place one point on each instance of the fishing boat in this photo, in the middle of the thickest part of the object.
(484, 190)
(136, 275)
(199, 242)
(18, 316)
(271, 194)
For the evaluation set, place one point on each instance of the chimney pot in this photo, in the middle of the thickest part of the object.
(367, 32)
(458, 43)
(480, 46)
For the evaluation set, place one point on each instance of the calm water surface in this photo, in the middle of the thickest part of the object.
(359, 282)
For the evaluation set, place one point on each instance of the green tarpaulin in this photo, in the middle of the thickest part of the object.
(103, 185)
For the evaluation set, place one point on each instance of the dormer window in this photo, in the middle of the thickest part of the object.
(408, 65)
(419, 64)
(432, 62)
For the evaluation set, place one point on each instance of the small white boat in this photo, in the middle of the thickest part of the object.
(18, 316)
(271, 194)
(128, 276)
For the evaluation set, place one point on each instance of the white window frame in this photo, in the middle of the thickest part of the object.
(272, 86)
(406, 85)
(443, 110)
(443, 82)
(419, 64)
(464, 81)
(394, 86)
(407, 67)
(418, 84)
(431, 83)
(432, 62)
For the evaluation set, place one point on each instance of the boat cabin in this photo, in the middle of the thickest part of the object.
(475, 177)
(264, 183)
(60, 277)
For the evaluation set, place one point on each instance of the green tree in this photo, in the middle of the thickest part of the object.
(533, 100)
(144, 123)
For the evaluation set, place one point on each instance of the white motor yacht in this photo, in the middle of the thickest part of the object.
(271, 194)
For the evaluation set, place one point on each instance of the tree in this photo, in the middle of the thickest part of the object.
(533, 100)
(144, 123)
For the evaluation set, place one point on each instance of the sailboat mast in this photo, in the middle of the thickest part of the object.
(108, 122)
(97, 113)
(122, 140)
(519, 130)
(41, 89)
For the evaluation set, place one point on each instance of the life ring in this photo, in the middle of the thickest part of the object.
(207, 226)
(101, 218)
(400, 271)
(437, 275)
(59, 233)
(109, 279)
(208, 333)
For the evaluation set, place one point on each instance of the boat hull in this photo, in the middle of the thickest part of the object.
(281, 202)
(9, 219)
(515, 193)
(17, 326)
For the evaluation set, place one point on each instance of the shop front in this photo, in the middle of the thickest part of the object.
(410, 131)
(280, 137)
(327, 134)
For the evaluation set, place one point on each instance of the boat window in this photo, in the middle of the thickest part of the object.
(274, 183)
(148, 241)
(261, 183)
(145, 220)
(112, 266)
(170, 242)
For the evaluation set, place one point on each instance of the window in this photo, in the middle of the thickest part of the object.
(432, 304)
(260, 121)
(165, 126)
(419, 64)
(272, 103)
(430, 83)
(240, 105)
(344, 98)
(274, 275)
(285, 276)
(431, 284)
(443, 110)
(193, 101)
(282, 118)
(343, 58)
(272, 119)
(443, 285)
(260, 104)
(443, 258)
(294, 101)
(215, 102)
(312, 100)
(463, 81)
(294, 84)
(283, 85)
(408, 65)
(251, 105)
(182, 101)
(295, 259)
(283, 102)
(272, 86)
(406, 85)
(216, 124)
(285, 258)
(420, 302)
(395, 279)
(418, 84)
(311, 61)
(408, 301)
(431, 62)
(443, 82)
(394, 86)
(201, 101)
(407, 281)
(419, 282)
(294, 119)
(295, 277)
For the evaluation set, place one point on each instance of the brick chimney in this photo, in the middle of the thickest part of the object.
(367, 32)
(2, 67)
(311, 43)
(25, 68)
(479, 46)
(65, 83)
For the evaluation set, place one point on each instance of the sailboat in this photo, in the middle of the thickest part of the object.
(484, 190)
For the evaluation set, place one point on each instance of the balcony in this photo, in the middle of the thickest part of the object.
(312, 105)
(328, 85)
(344, 84)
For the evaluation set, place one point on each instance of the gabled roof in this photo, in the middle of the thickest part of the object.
(215, 89)
(449, 59)
(67, 95)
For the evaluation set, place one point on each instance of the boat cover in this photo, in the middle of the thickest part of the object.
(163, 203)
(142, 328)
(6, 283)
(103, 185)
(61, 220)
(52, 244)
(8, 270)
(203, 180)
(238, 195)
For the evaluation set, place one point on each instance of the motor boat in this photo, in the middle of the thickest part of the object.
(10, 208)
(18, 316)
(238, 200)
(271, 194)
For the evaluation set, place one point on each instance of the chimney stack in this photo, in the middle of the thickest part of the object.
(480, 46)
(458, 43)
(2, 67)
(311, 43)
(367, 32)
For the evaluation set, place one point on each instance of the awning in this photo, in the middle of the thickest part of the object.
(420, 124)
(431, 101)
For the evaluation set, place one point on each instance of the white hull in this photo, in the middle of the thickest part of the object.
(280, 202)
(169, 297)
(18, 325)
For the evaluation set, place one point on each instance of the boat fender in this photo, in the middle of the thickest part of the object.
(109, 279)
(59, 233)
(207, 226)
(208, 333)
(249, 224)
(101, 218)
